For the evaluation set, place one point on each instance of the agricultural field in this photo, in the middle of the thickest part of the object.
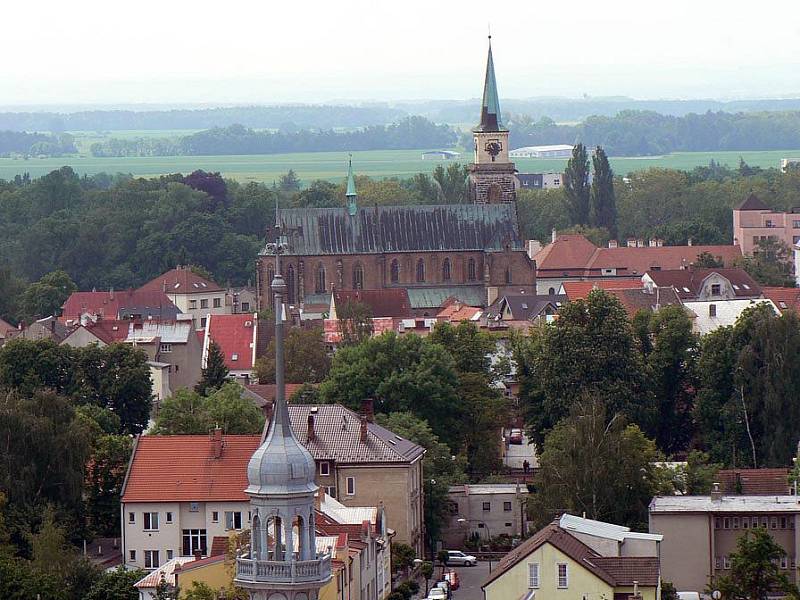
(333, 165)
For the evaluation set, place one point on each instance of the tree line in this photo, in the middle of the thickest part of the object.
(407, 133)
(648, 133)
(35, 144)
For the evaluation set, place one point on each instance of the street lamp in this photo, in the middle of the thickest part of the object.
(488, 534)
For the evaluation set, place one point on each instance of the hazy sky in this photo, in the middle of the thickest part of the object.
(198, 51)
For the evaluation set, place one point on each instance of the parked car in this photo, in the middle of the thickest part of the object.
(515, 437)
(436, 593)
(445, 585)
(457, 557)
(451, 577)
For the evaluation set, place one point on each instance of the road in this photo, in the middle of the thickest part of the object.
(471, 579)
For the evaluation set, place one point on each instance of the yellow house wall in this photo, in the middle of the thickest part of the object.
(582, 583)
(216, 575)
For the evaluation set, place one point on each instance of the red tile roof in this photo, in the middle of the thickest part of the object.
(784, 298)
(615, 571)
(752, 202)
(576, 256)
(109, 331)
(577, 290)
(108, 304)
(754, 482)
(236, 337)
(181, 280)
(182, 468)
(391, 302)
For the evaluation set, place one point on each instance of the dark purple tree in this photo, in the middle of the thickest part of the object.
(212, 184)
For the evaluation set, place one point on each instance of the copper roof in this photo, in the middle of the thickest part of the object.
(615, 571)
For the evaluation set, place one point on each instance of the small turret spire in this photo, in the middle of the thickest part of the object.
(351, 194)
(490, 106)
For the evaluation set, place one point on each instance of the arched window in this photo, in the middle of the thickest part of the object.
(471, 269)
(299, 538)
(394, 271)
(446, 270)
(320, 280)
(270, 275)
(358, 277)
(551, 291)
(508, 275)
(420, 271)
(290, 285)
(255, 536)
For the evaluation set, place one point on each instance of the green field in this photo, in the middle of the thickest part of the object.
(333, 165)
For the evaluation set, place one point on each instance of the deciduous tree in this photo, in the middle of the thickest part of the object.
(305, 354)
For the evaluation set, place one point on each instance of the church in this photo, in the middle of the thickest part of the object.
(472, 252)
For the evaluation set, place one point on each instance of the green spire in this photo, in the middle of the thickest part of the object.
(490, 107)
(351, 189)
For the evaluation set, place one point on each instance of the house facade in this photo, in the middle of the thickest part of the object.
(486, 510)
(193, 294)
(754, 221)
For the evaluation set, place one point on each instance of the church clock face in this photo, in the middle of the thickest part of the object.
(493, 148)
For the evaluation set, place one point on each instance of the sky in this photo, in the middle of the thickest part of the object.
(316, 51)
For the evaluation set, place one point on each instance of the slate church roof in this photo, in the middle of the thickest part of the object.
(378, 229)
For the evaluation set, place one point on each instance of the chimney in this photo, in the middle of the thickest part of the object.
(198, 554)
(631, 242)
(652, 243)
(368, 409)
(635, 589)
(640, 243)
(716, 494)
(312, 435)
(613, 244)
(660, 243)
(111, 292)
(553, 236)
(216, 442)
(689, 242)
(99, 551)
(320, 497)
(363, 429)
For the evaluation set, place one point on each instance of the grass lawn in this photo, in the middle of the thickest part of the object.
(333, 165)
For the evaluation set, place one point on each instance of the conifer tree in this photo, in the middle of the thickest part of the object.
(604, 202)
(216, 373)
(576, 185)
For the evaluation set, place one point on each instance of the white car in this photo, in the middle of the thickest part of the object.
(437, 593)
(456, 557)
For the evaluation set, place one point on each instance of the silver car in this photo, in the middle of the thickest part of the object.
(457, 557)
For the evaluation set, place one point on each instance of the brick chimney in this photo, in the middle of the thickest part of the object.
(364, 429)
(716, 494)
(312, 435)
(198, 554)
(320, 497)
(368, 409)
(216, 442)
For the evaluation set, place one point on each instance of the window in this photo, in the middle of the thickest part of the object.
(446, 270)
(132, 555)
(166, 348)
(202, 322)
(150, 521)
(745, 522)
(487, 506)
(764, 522)
(324, 468)
(234, 356)
(726, 562)
(783, 522)
(394, 271)
(214, 517)
(245, 307)
(508, 276)
(169, 517)
(773, 523)
(204, 303)
(717, 523)
(290, 284)
(131, 517)
(563, 576)
(358, 277)
(217, 302)
(151, 559)
(726, 523)
(796, 224)
(351, 486)
(736, 522)
(319, 288)
(533, 575)
(194, 539)
(717, 562)
(330, 490)
(716, 289)
(769, 223)
(192, 304)
(233, 519)
(506, 506)
(508, 524)
(452, 507)
(471, 269)
(420, 271)
(169, 555)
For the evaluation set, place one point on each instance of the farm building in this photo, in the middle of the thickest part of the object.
(554, 151)
(540, 181)
(440, 155)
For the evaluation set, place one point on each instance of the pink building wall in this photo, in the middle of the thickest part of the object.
(749, 226)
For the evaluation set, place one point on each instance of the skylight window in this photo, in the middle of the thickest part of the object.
(686, 290)
(782, 304)
(745, 286)
(736, 287)
(176, 286)
(234, 356)
(524, 306)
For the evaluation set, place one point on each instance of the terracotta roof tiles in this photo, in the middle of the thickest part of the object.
(390, 302)
(181, 280)
(754, 482)
(236, 337)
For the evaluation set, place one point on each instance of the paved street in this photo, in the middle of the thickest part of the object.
(471, 579)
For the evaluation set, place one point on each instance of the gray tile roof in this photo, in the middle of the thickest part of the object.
(378, 229)
(338, 437)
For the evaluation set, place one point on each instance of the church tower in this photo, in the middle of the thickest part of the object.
(491, 175)
(282, 562)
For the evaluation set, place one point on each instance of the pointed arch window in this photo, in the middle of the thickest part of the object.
(508, 275)
(446, 270)
(420, 271)
(471, 269)
(394, 271)
(358, 277)
(319, 287)
(290, 284)
(270, 274)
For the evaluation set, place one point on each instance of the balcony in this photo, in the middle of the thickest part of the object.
(250, 570)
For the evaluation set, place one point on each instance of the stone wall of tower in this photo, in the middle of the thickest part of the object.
(483, 180)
